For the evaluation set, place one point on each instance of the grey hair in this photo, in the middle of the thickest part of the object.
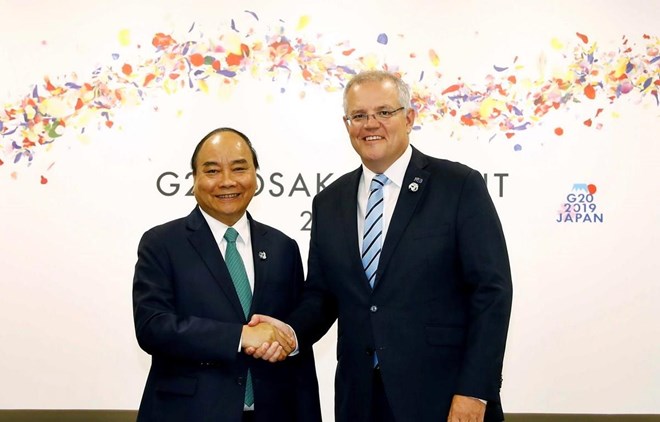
(379, 76)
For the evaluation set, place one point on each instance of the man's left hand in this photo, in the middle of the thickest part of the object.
(466, 409)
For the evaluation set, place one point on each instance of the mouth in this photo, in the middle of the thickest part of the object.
(372, 138)
(228, 196)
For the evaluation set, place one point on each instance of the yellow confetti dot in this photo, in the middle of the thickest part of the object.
(302, 22)
(556, 44)
(124, 37)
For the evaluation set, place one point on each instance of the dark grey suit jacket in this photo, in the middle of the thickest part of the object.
(189, 318)
(439, 312)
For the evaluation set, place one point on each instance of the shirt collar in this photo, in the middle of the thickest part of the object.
(218, 228)
(395, 173)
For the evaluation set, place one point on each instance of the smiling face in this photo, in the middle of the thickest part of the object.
(225, 178)
(378, 143)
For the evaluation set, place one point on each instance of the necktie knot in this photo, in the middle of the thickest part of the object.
(230, 235)
(378, 182)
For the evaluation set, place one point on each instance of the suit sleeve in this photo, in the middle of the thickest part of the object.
(317, 310)
(485, 269)
(160, 330)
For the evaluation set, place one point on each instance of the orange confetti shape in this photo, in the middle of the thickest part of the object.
(150, 77)
(43, 180)
(512, 79)
(348, 52)
(109, 123)
(452, 88)
(583, 37)
(509, 135)
(234, 59)
(453, 112)
(467, 120)
(174, 75)
(587, 122)
(559, 131)
(306, 74)
(79, 104)
(600, 110)
(197, 59)
(590, 92)
(592, 188)
(49, 86)
(127, 69)
(161, 40)
(1, 162)
(216, 65)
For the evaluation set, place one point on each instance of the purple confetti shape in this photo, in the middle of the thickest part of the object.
(282, 90)
(347, 70)
(233, 25)
(522, 127)
(18, 157)
(227, 73)
(421, 76)
(72, 85)
(647, 83)
(500, 69)
(492, 137)
(115, 56)
(516, 111)
(382, 39)
(253, 14)
(629, 67)
(35, 92)
(191, 27)
(517, 147)
(417, 127)
(655, 59)
(11, 132)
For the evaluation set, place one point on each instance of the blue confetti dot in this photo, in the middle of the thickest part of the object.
(517, 147)
(382, 39)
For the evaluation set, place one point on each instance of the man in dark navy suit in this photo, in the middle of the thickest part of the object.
(197, 281)
(407, 253)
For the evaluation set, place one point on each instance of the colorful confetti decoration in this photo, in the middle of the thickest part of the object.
(504, 102)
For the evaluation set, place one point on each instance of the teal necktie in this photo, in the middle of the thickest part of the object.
(242, 286)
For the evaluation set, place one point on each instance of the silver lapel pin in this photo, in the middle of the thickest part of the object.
(262, 255)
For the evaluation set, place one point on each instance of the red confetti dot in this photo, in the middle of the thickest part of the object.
(43, 180)
(592, 189)
(559, 131)
(197, 59)
(1, 162)
(590, 92)
(587, 122)
(127, 69)
(109, 123)
(216, 65)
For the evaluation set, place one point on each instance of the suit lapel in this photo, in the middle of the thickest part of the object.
(348, 212)
(404, 209)
(205, 244)
(260, 249)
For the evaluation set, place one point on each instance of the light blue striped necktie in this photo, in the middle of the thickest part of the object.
(373, 228)
(242, 285)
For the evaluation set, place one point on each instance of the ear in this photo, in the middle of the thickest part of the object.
(346, 125)
(410, 119)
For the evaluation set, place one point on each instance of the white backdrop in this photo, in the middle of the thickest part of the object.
(585, 329)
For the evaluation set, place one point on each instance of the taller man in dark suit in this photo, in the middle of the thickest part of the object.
(197, 281)
(407, 252)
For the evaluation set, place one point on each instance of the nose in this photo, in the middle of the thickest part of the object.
(371, 122)
(226, 179)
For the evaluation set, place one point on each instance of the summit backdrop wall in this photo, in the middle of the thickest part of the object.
(556, 103)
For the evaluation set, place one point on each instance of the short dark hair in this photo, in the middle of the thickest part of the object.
(193, 160)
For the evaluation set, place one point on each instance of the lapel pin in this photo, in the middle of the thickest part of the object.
(413, 187)
(262, 255)
(418, 179)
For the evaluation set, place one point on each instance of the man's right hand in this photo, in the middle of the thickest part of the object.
(270, 351)
(271, 343)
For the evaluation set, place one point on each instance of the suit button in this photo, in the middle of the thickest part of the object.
(373, 308)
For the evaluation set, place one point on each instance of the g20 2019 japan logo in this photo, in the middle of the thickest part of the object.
(580, 205)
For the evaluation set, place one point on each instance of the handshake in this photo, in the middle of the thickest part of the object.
(267, 338)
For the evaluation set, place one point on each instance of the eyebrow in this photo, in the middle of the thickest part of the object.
(215, 163)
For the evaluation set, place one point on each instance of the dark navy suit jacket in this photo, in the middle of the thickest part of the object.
(439, 312)
(189, 319)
